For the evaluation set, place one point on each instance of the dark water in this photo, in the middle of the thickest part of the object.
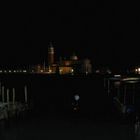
(57, 91)
(52, 117)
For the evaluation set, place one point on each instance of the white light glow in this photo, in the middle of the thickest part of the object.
(131, 79)
(117, 75)
(97, 71)
(76, 97)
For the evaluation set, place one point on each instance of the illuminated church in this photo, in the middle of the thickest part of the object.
(71, 66)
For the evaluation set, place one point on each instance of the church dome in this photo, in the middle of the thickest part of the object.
(74, 57)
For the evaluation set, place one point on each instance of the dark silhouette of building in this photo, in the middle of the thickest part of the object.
(50, 55)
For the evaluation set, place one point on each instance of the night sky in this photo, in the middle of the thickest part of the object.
(107, 33)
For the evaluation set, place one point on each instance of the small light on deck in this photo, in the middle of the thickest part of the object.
(76, 97)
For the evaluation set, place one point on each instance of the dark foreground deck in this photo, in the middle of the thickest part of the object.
(53, 127)
(96, 120)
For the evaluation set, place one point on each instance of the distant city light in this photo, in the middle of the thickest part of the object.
(137, 70)
(117, 75)
(72, 70)
(50, 70)
(131, 79)
(97, 71)
(63, 66)
(60, 71)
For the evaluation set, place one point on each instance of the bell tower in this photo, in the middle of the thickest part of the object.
(50, 55)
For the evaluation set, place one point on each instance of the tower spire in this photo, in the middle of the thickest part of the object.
(50, 54)
(51, 45)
